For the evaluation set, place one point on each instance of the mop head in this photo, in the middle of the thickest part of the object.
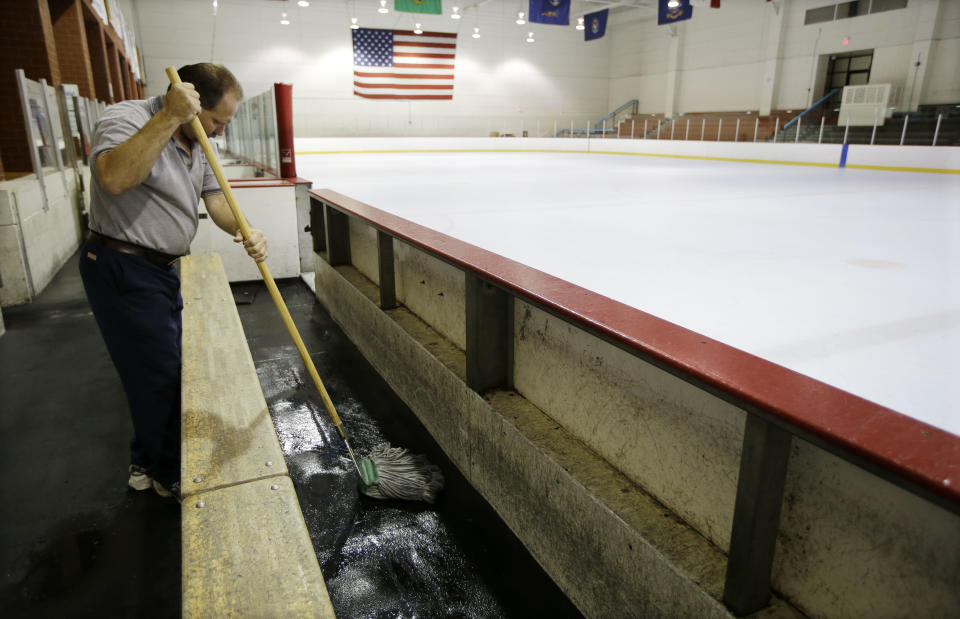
(395, 473)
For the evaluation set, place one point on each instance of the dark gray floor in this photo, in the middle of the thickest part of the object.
(76, 543)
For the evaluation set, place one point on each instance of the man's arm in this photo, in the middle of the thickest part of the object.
(221, 215)
(129, 164)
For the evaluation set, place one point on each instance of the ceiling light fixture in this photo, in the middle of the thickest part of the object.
(673, 4)
(580, 25)
(520, 18)
(476, 33)
(283, 19)
(353, 23)
(383, 7)
(303, 3)
(456, 13)
(530, 38)
(417, 29)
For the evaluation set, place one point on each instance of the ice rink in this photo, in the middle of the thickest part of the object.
(851, 277)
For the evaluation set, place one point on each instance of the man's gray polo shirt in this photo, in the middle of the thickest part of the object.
(161, 212)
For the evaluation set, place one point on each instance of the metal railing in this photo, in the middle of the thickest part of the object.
(628, 109)
(821, 102)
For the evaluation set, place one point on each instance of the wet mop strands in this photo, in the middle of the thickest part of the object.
(395, 473)
(390, 472)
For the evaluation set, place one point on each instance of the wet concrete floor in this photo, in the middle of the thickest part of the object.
(381, 558)
(75, 542)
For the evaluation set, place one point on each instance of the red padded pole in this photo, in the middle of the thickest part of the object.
(283, 93)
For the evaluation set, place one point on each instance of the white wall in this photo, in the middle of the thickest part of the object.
(723, 51)
(744, 56)
(498, 75)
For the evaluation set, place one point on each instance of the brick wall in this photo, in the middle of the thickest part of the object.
(26, 37)
(70, 36)
(97, 48)
(60, 41)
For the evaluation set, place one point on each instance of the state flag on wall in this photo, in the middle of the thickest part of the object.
(556, 12)
(595, 25)
(666, 15)
(398, 64)
(418, 6)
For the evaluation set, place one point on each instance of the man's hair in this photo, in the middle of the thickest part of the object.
(212, 81)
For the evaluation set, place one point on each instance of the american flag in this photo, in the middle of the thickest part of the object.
(399, 64)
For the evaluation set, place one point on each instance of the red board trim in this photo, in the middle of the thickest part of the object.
(913, 449)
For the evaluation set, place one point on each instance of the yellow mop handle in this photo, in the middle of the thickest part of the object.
(264, 271)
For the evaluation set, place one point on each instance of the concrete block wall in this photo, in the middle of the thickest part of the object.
(37, 236)
(850, 544)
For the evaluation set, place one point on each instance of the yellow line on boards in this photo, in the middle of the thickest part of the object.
(437, 150)
(705, 158)
(887, 168)
(663, 155)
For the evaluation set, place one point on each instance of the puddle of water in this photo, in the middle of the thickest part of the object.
(390, 558)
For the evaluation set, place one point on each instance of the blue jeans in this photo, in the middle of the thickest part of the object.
(138, 307)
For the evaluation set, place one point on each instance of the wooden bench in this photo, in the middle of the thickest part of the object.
(246, 550)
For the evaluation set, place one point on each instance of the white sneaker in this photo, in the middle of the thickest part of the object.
(139, 480)
(173, 491)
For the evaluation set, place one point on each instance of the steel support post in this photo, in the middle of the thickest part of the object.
(388, 285)
(489, 314)
(317, 227)
(903, 135)
(337, 226)
(936, 132)
(756, 516)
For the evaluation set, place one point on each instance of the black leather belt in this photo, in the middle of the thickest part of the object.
(158, 258)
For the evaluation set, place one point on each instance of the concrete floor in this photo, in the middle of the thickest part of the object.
(76, 542)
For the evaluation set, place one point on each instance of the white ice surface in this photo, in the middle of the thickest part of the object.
(851, 277)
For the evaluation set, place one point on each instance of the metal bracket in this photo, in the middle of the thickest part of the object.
(756, 517)
(388, 286)
(489, 314)
(337, 226)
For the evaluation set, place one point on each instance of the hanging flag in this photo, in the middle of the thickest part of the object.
(713, 4)
(666, 15)
(556, 12)
(418, 6)
(398, 64)
(596, 25)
